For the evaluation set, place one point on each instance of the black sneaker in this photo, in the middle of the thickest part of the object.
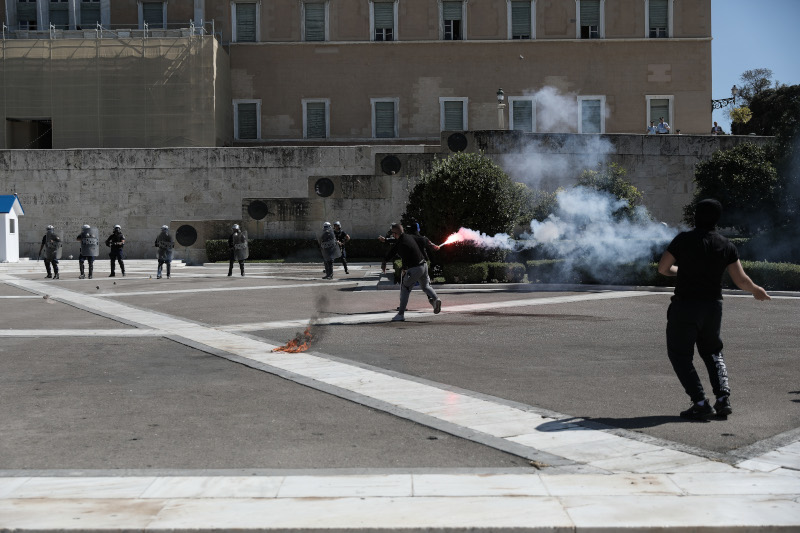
(699, 412)
(437, 306)
(111, 275)
(723, 406)
(49, 276)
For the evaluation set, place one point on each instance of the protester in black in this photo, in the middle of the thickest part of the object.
(699, 258)
(409, 248)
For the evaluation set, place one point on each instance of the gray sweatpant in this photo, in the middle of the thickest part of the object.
(413, 275)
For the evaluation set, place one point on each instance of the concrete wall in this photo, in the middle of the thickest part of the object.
(116, 92)
(141, 189)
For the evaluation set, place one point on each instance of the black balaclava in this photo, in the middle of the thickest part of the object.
(706, 214)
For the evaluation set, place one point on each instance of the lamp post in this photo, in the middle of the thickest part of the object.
(724, 102)
(501, 96)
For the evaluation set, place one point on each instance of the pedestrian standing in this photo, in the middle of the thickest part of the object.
(662, 126)
(699, 258)
(409, 248)
(341, 238)
(52, 245)
(116, 241)
(165, 246)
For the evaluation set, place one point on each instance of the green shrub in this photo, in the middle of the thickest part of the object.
(465, 272)
(550, 271)
(506, 272)
(771, 276)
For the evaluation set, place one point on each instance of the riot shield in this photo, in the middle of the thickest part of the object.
(330, 248)
(52, 245)
(240, 250)
(90, 243)
(165, 246)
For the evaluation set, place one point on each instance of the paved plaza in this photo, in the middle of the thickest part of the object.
(136, 404)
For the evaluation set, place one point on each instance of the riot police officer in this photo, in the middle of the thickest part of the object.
(51, 244)
(116, 241)
(90, 248)
(237, 244)
(165, 247)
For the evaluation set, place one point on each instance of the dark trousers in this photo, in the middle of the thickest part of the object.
(117, 257)
(344, 260)
(230, 266)
(82, 258)
(691, 323)
(160, 264)
(47, 263)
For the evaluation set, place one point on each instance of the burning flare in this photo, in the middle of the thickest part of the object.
(454, 237)
(300, 343)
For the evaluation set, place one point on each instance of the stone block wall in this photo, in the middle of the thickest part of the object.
(211, 188)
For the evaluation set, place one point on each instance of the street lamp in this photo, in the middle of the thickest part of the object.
(724, 102)
(501, 96)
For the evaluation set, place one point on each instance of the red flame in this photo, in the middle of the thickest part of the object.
(300, 343)
(454, 237)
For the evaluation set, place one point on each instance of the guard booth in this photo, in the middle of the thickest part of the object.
(10, 211)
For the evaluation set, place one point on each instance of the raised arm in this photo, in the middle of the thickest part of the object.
(743, 281)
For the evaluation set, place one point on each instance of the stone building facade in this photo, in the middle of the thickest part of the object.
(347, 71)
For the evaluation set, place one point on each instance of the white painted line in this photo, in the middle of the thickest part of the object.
(385, 317)
(223, 289)
(136, 332)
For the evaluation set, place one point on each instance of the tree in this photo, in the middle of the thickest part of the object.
(467, 190)
(753, 82)
(612, 179)
(745, 182)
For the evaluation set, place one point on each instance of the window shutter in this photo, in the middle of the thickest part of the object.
(453, 115)
(248, 121)
(590, 116)
(315, 120)
(451, 10)
(590, 12)
(659, 16)
(384, 119)
(521, 20)
(315, 22)
(90, 15)
(153, 14)
(59, 16)
(523, 115)
(659, 108)
(26, 12)
(384, 15)
(245, 23)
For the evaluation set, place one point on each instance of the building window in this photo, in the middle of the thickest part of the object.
(591, 114)
(383, 15)
(660, 106)
(245, 17)
(520, 20)
(315, 21)
(12, 226)
(658, 15)
(247, 120)
(453, 114)
(384, 118)
(590, 19)
(316, 115)
(522, 115)
(59, 14)
(26, 15)
(154, 14)
(453, 21)
(90, 14)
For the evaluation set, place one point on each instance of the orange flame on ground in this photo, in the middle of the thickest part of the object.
(454, 237)
(300, 343)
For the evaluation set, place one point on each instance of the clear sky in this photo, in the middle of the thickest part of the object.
(751, 34)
